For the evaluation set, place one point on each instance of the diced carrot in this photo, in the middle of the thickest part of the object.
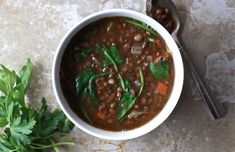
(165, 54)
(158, 43)
(157, 59)
(101, 115)
(162, 88)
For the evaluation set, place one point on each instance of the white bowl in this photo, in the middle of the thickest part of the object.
(158, 119)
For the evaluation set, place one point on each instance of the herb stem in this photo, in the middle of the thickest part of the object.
(122, 82)
(142, 81)
(111, 59)
(116, 68)
(55, 147)
(40, 146)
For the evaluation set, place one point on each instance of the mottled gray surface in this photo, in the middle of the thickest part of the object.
(33, 29)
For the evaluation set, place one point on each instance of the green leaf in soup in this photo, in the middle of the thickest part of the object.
(142, 26)
(83, 79)
(85, 93)
(113, 51)
(127, 84)
(125, 104)
(91, 86)
(128, 99)
(101, 48)
(82, 54)
(160, 70)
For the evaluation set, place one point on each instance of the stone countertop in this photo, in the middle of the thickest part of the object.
(33, 29)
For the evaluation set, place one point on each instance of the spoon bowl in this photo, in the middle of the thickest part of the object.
(215, 107)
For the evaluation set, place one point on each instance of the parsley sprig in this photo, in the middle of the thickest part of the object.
(26, 129)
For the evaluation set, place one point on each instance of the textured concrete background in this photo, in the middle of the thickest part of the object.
(33, 29)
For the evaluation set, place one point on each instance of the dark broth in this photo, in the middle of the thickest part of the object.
(137, 49)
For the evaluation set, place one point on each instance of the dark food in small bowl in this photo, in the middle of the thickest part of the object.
(116, 73)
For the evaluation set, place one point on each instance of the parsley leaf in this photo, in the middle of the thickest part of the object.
(26, 129)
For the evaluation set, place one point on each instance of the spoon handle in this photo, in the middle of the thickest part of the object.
(216, 108)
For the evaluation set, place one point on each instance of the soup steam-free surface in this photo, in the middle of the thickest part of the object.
(133, 50)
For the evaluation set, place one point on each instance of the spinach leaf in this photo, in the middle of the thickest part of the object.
(109, 54)
(111, 57)
(128, 99)
(127, 84)
(83, 79)
(126, 103)
(142, 26)
(113, 51)
(91, 86)
(85, 93)
(160, 70)
(83, 54)
(116, 68)
(111, 60)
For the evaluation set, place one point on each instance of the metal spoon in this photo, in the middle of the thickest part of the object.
(216, 108)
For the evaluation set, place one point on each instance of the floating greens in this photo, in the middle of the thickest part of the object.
(91, 85)
(128, 99)
(112, 57)
(160, 70)
(83, 79)
(25, 129)
(85, 84)
(142, 26)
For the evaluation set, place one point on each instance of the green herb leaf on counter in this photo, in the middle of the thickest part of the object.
(160, 70)
(24, 128)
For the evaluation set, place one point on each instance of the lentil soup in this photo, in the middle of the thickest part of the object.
(116, 74)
